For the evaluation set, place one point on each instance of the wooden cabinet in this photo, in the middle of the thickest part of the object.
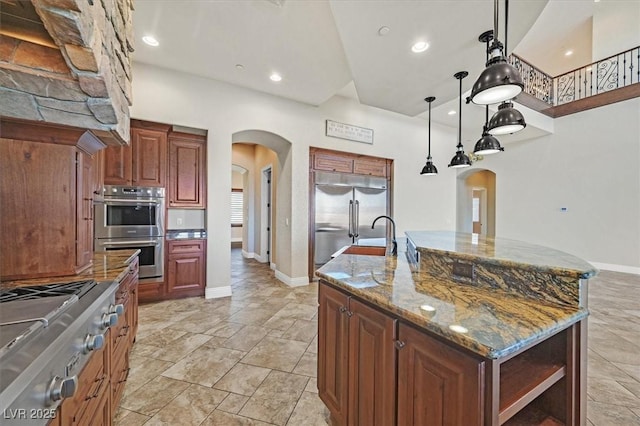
(143, 162)
(187, 176)
(123, 334)
(356, 366)
(185, 268)
(345, 162)
(46, 214)
(437, 384)
(93, 384)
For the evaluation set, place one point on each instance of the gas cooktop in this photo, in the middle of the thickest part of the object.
(49, 290)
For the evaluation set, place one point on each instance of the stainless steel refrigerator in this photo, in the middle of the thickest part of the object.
(345, 207)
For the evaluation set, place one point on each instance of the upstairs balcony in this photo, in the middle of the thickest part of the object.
(613, 79)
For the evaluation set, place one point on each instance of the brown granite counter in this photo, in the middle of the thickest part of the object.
(107, 267)
(492, 322)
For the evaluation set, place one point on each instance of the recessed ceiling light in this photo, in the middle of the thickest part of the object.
(568, 53)
(239, 67)
(151, 41)
(420, 47)
(383, 31)
(275, 77)
(452, 112)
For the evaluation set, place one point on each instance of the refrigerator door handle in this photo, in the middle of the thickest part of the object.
(357, 219)
(350, 218)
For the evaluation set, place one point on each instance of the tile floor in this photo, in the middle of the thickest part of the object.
(251, 359)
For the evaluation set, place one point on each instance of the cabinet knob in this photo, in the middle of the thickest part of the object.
(399, 344)
(343, 309)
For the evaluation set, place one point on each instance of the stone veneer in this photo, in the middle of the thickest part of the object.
(86, 81)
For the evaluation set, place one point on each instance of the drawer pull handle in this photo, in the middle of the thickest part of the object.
(97, 392)
(126, 375)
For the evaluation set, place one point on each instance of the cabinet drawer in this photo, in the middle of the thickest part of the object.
(119, 376)
(333, 163)
(370, 166)
(186, 246)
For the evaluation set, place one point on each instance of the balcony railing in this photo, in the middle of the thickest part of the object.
(614, 72)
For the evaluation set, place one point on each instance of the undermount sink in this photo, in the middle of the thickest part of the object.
(366, 250)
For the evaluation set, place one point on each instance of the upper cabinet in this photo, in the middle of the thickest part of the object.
(345, 162)
(187, 165)
(143, 162)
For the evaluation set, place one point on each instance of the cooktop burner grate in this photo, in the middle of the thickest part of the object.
(78, 288)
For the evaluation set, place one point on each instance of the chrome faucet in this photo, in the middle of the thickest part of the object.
(394, 250)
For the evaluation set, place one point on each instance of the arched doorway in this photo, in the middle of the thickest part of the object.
(476, 202)
(267, 157)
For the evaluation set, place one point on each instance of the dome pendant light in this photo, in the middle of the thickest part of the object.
(508, 119)
(429, 169)
(499, 81)
(487, 144)
(460, 159)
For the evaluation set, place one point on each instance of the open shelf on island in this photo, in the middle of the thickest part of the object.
(528, 375)
(533, 417)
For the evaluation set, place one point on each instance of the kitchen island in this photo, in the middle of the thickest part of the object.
(458, 329)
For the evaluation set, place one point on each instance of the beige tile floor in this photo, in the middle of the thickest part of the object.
(250, 359)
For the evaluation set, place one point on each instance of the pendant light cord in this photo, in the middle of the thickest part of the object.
(460, 115)
(495, 19)
(429, 154)
(506, 23)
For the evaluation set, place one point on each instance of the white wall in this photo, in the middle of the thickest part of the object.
(590, 165)
(534, 178)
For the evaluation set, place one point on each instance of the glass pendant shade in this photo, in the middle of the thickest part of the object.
(460, 160)
(429, 169)
(506, 120)
(487, 145)
(497, 83)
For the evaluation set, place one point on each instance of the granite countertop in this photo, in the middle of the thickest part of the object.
(107, 267)
(492, 323)
(186, 234)
(502, 252)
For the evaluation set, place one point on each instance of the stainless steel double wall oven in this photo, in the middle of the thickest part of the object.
(133, 217)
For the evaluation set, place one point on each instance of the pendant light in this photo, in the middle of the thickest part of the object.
(429, 169)
(499, 81)
(460, 159)
(487, 144)
(507, 119)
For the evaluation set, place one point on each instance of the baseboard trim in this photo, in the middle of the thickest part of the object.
(272, 266)
(217, 292)
(259, 258)
(617, 268)
(248, 255)
(292, 282)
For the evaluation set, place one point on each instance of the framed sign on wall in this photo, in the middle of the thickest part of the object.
(349, 132)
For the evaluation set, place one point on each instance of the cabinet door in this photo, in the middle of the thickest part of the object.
(84, 206)
(117, 165)
(437, 384)
(37, 210)
(187, 177)
(370, 166)
(186, 274)
(372, 366)
(333, 329)
(98, 172)
(338, 162)
(149, 157)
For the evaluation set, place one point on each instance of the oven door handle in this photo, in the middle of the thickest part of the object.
(128, 202)
(132, 243)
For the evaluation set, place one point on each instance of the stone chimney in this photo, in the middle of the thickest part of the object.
(68, 62)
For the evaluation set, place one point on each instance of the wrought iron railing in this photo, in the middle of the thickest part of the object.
(611, 73)
(537, 83)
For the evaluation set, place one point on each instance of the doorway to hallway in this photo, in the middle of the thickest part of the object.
(476, 202)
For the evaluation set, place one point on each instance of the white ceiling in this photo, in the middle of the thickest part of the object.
(327, 47)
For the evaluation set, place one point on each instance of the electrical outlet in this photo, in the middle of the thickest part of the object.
(179, 221)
